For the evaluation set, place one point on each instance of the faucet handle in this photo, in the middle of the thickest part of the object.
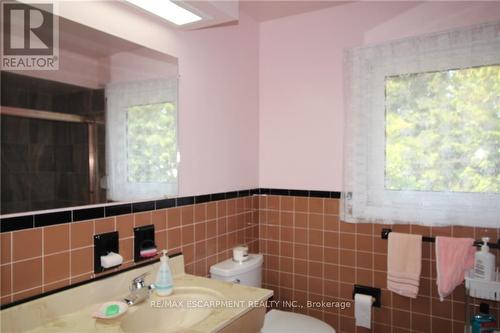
(138, 282)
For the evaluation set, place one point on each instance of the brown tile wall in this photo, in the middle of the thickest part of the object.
(310, 255)
(42, 259)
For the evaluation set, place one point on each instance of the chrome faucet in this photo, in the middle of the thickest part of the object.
(139, 292)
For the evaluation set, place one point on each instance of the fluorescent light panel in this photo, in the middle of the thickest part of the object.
(167, 10)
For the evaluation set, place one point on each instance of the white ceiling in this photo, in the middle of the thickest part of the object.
(264, 10)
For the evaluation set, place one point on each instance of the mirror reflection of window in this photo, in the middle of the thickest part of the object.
(142, 139)
(151, 143)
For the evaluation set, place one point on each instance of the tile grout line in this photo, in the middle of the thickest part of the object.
(70, 252)
(43, 258)
(11, 266)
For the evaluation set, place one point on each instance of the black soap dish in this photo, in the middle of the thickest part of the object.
(144, 243)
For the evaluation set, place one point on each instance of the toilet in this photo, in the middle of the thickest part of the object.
(249, 273)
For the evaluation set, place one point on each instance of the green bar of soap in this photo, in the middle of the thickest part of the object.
(112, 310)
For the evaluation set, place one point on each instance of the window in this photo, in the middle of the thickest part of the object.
(422, 137)
(443, 131)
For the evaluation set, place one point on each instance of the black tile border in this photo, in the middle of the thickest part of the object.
(165, 203)
(185, 201)
(300, 193)
(144, 206)
(46, 219)
(96, 212)
(202, 198)
(88, 214)
(116, 210)
(17, 223)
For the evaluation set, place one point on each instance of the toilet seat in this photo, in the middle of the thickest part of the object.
(277, 321)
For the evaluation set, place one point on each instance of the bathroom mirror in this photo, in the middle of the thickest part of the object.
(102, 128)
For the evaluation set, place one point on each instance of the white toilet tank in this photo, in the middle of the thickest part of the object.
(248, 272)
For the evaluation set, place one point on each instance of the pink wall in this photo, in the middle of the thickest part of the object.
(218, 91)
(278, 84)
(301, 107)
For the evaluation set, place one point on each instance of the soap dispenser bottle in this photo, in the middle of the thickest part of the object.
(484, 263)
(164, 283)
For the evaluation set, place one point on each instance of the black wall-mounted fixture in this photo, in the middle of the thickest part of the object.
(103, 245)
(144, 240)
(365, 290)
(384, 234)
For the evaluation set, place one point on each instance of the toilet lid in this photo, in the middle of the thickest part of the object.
(277, 321)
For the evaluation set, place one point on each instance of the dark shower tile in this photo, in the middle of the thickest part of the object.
(15, 207)
(98, 100)
(41, 131)
(62, 186)
(43, 186)
(40, 100)
(62, 133)
(15, 187)
(80, 156)
(79, 134)
(79, 102)
(64, 159)
(15, 130)
(43, 205)
(72, 187)
(60, 103)
(81, 188)
(15, 158)
(41, 158)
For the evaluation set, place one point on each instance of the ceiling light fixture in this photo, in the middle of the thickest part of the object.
(168, 10)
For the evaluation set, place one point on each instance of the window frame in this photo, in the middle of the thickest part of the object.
(365, 197)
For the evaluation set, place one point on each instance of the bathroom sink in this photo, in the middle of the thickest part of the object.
(189, 309)
(186, 307)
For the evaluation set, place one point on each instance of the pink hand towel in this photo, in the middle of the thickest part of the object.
(454, 256)
(404, 263)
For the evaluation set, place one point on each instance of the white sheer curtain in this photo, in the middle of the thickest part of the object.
(366, 197)
(119, 98)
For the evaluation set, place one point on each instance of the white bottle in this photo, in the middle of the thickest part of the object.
(164, 284)
(484, 263)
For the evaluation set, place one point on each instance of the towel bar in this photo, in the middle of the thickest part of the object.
(385, 235)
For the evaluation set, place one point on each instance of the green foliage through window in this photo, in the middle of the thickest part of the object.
(443, 131)
(151, 143)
